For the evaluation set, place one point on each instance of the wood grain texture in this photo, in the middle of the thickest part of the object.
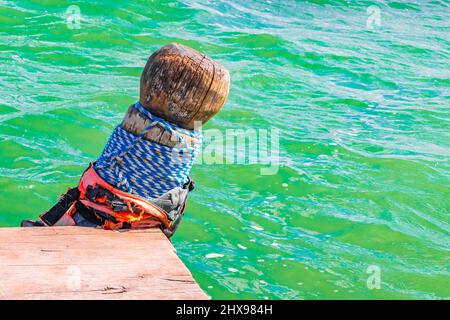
(183, 85)
(135, 122)
(88, 263)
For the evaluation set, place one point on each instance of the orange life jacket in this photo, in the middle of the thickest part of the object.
(115, 208)
(138, 213)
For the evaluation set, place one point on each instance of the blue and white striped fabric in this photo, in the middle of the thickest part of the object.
(145, 168)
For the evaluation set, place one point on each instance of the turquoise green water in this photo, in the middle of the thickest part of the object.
(363, 110)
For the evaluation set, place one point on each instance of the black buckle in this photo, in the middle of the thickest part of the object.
(118, 205)
(190, 185)
(92, 193)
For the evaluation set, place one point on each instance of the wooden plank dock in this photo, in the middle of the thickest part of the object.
(87, 263)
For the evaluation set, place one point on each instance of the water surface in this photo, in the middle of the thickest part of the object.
(362, 106)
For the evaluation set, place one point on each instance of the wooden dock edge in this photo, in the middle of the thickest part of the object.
(86, 263)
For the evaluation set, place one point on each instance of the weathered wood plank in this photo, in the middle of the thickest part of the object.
(87, 263)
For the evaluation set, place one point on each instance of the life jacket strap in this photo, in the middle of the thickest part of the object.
(65, 201)
(103, 205)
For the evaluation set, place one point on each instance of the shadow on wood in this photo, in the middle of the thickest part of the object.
(88, 263)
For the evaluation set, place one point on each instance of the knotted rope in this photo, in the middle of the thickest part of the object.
(146, 168)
